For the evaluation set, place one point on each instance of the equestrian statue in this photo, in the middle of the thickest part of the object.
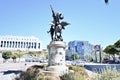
(57, 25)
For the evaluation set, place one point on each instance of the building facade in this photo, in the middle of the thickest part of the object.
(20, 43)
(83, 48)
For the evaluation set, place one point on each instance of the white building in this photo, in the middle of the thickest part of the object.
(20, 43)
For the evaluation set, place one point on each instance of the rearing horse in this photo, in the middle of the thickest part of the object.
(58, 25)
(58, 30)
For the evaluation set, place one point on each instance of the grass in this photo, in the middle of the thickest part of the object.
(35, 73)
(79, 74)
(109, 74)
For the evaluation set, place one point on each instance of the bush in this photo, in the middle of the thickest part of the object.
(79, 74)
(7, 55)
(35, 73)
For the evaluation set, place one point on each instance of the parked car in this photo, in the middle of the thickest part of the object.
(106, 60)
(29, 59)
(35, 60)
(43, 60)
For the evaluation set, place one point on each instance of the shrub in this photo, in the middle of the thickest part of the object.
(35, 73)
(79, 74)
(7, 55)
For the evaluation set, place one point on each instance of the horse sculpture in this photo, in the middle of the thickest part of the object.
(58, 26)
(58, 30)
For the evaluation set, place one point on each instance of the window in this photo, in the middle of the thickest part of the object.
(10, 44)
(4, 43)
(18, 44)
(29, 45)
(21, 44)
(13, 44)
(24, 44)
(1, 44)
(35, 45)
(39, 45)
(32, 44)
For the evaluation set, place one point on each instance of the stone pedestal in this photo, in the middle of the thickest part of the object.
(56, 57)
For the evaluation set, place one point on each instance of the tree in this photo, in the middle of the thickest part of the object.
(110, 49)
(117, 44)
(46, 56)
(7, 55)
(14, 56)
(75, 57)
(18, 54)
(30, 53)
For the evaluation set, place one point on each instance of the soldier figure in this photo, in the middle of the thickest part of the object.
(51, 32)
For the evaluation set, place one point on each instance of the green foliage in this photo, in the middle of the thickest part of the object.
(14, 56)
(70, 76)
(31, 53)
(19, 54)
(46, 56)
(75, 56)
(79, 74)
(35, 73)
(7, 55)
(90, 59)
(110, 49)
(117, 44)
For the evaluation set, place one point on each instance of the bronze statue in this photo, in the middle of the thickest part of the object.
(51, 32)
(57, 26)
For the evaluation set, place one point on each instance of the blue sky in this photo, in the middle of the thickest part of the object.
(91, 20)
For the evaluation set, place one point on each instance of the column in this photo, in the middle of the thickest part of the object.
(4, 43)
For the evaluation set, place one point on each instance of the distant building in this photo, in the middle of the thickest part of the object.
(83, 48)
(20, 43)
